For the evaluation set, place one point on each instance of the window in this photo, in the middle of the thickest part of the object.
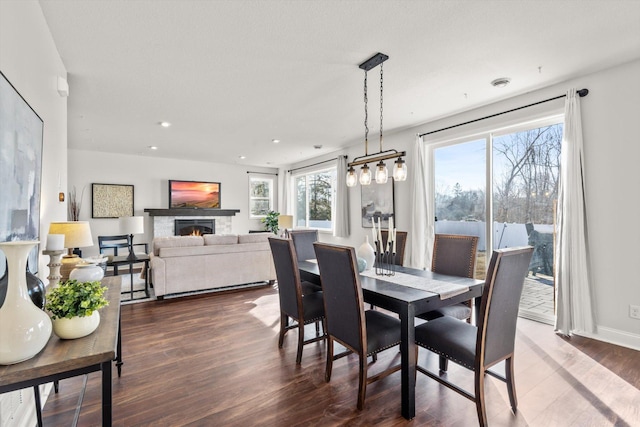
(260, 196)
(314, 199)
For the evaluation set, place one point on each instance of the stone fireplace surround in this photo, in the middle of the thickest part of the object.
(164, 219)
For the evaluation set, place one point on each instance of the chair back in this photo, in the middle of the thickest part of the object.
(500, 301)
(113, 243)
(303, 242)
(343, 300)
(288, 275)
(454, 255)
(401, 243)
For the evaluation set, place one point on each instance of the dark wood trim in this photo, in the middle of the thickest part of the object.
(192, 212)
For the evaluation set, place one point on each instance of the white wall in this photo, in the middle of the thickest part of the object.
(149, 176)
(610, 115)
(29, 59)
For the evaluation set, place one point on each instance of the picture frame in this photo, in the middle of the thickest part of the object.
(111, 200)
(22, 131)
(377, 201)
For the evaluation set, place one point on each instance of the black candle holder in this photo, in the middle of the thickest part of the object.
(385, 264)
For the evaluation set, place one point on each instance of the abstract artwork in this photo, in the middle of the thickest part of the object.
(21, 133)
(377, 202)
(111, 200)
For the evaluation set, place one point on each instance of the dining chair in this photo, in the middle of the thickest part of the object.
(401, 243)
(453, 255)
(303, 308)
(303, 242)
(478, 348)
(362, 332)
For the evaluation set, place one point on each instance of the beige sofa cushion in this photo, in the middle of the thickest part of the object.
(176, 242)
(255, 237)
(220, 239)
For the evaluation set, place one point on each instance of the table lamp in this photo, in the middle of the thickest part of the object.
(131, 225)
(285, 222)
(77, 234)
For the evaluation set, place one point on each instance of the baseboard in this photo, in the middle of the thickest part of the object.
(214, 290)
(613, 336)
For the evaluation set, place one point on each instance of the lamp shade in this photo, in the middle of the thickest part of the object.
(285, 221)
(131, 225)
(77, 234)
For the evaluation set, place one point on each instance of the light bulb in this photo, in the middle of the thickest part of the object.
(352, 178)
(365, 175)
(381, 173)
(399, 170)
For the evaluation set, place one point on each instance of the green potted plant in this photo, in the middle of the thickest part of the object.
(271, 221)
(74, 307)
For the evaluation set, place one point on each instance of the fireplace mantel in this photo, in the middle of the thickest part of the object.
(192, 212)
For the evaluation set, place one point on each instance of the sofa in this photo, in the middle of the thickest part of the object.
(184, 264)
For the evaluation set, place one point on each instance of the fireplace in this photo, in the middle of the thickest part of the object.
(194, 227)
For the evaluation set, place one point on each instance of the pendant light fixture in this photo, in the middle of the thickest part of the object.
(381, 174)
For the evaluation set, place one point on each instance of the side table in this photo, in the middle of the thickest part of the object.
(117, 261)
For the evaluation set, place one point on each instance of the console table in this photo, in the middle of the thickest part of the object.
(62, 359)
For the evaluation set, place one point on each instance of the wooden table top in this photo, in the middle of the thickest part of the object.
(60, 355)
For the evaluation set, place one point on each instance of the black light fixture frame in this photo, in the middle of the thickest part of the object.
(368, 65)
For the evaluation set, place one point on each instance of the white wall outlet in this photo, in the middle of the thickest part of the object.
(634, 311)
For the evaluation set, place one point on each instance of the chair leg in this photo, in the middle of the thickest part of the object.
(317, 328)
(479, 389)
(362, 381)
(284, 321)
(511, 383)
(444, 363)
(327, 373)
(374, 357)
(300, 342)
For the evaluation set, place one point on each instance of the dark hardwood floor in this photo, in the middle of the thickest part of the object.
(213, 360)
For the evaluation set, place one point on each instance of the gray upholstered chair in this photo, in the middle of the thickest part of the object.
(362, 332)
(303, 242)
(480, 347)
(401, 243)
(454, 255)
(294, 304)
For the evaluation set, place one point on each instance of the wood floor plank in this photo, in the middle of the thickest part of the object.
(213, 360)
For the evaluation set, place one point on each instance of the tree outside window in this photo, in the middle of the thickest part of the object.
(314, 199)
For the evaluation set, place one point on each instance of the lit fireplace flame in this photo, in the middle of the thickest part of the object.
(196, 233)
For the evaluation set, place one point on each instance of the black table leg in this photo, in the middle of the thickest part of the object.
(106, 394)
(36, 393)
(408, 353)
(119, 361)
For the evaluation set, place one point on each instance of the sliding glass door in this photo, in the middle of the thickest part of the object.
(522, 173)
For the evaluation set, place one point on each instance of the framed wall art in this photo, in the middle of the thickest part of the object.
(21, 131)
(111, 200)
(377, 202)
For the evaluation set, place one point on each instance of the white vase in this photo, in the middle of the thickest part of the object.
(76, 327)
(87, 273)
(24, 328)
(365, 251)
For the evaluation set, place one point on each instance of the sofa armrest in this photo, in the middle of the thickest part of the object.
(158, 275)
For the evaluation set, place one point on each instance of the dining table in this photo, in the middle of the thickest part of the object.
(392, 293)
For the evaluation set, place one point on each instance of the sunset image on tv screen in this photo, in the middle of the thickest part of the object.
(186, 194)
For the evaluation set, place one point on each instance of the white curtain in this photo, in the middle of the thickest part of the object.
(342, 199)
(418, 236)
(284, 196)
(574, 296)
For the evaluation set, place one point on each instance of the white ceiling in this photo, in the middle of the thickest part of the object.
(231, 75)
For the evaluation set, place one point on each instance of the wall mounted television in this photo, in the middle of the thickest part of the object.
(194, 194)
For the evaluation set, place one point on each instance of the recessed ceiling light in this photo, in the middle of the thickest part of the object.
(317, 147)
(165, 124)
(501, 82)
(153, 147)
(242, 157)
(275, 141)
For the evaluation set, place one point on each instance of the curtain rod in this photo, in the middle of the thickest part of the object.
(263, 173)
(581, 92)
(314, 164)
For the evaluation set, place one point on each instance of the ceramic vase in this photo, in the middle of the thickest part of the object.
(87, 273)
(24, 328)
(76, 327)
(365, 251)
